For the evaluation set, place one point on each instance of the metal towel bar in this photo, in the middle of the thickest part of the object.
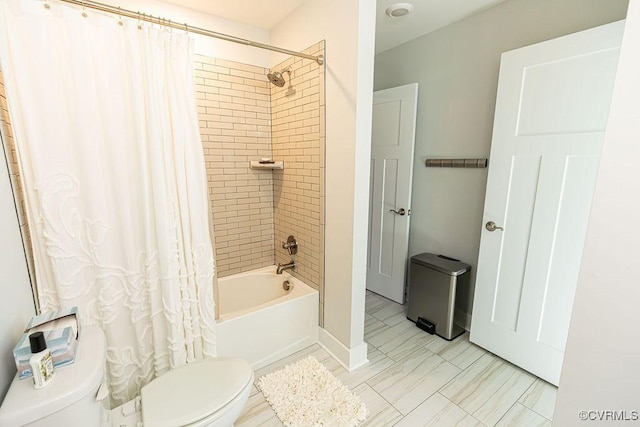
(456, 163)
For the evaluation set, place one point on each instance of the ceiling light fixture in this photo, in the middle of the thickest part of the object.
(398, 10)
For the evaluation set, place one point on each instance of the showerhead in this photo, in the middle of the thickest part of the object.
(276, 78)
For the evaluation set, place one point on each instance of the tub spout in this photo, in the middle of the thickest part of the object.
(287, 266)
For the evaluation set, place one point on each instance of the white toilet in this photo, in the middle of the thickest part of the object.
(208, 393)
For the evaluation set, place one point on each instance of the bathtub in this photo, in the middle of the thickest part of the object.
(261, 322)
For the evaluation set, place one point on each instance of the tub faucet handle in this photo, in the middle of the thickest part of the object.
(291, 245)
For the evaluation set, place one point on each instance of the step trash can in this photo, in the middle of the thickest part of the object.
(435, 283)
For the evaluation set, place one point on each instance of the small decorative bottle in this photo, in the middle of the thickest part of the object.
(40, 361)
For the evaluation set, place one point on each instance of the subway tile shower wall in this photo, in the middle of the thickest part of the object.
(243, 117)
(298, 139)
(234, 112)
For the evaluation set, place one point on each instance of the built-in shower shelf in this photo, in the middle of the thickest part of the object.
(256, 164)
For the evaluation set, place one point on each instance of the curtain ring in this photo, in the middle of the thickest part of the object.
(47, 5)
(139, 21)
(84, 13)
(120, 16)
(186, 28)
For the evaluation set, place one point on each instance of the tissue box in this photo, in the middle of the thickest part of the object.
(61, 330)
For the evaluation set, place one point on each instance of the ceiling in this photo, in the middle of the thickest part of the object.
(426, 16)
(256, 13)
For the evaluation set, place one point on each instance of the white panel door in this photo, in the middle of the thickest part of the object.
(392, 142)
(551, 112)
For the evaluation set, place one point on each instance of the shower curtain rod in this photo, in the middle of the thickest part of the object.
(188, 28)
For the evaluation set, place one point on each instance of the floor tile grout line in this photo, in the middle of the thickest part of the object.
(366, 382)
(459, 373)
(395, 362)
(536, 412)
(391, 326)
(450, 361)
(462, 371)
(378, 309)
(449, 382)
(381, 304)
(515, 401)
(505, 414)
(375, 307)
(409, 354)
(399, 361)
(461, 408)
(382, 329)
(531, 409)
(444, 397)
(424, 348)
(383, 398)
(414, 409)
(524, 392)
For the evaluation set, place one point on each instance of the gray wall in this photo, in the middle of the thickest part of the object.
(16, 301)
(601, 368)
(457, 70)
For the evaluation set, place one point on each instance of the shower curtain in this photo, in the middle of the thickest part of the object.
(104, 118)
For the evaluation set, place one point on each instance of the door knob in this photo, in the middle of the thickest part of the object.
(491, 226)
(400, 211)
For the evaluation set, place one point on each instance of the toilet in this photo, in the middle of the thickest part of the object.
(207, 393)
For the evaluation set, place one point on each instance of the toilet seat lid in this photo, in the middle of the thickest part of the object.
(194, 391)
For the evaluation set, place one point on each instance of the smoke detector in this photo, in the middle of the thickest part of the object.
(398, 10)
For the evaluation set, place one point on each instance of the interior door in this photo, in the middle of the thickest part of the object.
(551, 112)
(392, 142)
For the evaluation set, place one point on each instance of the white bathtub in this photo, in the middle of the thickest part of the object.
(261, 322)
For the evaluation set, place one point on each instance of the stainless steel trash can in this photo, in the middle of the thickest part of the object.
(434, 285)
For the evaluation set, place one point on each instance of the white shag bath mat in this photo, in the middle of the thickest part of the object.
(306, 394)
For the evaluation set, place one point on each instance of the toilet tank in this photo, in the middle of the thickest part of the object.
(75, 397)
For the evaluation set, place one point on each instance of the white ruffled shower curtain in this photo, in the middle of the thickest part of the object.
(104, 119)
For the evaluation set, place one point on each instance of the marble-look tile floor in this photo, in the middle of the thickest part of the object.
(416, 379)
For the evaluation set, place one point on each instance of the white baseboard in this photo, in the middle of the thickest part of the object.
(350, 359)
